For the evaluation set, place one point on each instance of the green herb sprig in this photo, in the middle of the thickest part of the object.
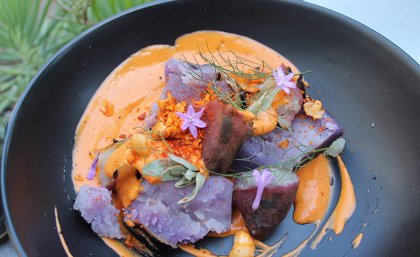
(177, 169)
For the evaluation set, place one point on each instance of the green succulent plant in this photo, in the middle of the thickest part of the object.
(31, 31)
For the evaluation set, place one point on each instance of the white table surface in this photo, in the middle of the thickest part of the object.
(399, 21)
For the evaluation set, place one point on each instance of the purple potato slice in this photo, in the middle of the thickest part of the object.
(274, 206)
(95, 206)
(156, 210)
(225, 132)
(307, 134)
(187, 82)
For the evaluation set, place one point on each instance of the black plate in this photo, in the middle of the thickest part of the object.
(366, 82)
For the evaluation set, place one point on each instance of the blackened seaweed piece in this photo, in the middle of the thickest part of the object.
(274, 206)
(225, 132)
(268, 149)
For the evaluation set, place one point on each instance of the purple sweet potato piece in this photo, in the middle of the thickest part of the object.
(182, 81)
(187, 81)
(274, 206)
(95, 206)
(307, 133)
(157, 211)
(225, 132)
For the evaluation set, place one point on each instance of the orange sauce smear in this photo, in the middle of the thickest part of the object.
(313, 199)
(343, 210)
(357, 240)
(313, 195)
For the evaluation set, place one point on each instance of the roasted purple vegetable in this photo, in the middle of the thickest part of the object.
(275, 203)
(281, 146)
(226, 130)
(95, 206)
(187, 82)
(157, 212)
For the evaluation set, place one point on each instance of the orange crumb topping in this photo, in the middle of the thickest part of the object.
(107, 108)
(170, 138)
(78, 178)
(284, 144)
(281, 98)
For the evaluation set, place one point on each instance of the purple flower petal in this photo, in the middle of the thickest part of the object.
(289, 76)
(182, 115)
(190, 111)
(290, 84)
(198, 115)
(262, 180)
(192, 120)
(92, 170)
(193, 131)
(199, 123)
(185, 125)
(284, 81)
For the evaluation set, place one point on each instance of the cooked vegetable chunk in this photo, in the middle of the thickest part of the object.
(227, 129)
(274, 206)
(94, 204)
(187, 82)
(157, 211)
(281, 145)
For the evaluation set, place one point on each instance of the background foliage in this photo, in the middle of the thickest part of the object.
(31, 31)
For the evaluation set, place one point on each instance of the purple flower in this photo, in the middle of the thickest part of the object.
(284, 81)
(92, 169)
(262, 180)
(192, 120)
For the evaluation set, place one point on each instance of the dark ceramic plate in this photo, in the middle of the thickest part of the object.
(366, 82)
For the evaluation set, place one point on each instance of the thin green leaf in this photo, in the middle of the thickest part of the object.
(263, 103)
(284, 124)
(157, 167)
(199, 182)
(173, 173)
(183, 162)
(336, 147)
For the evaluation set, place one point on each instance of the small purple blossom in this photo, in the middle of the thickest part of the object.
(262, 180)
(284, 81)
(192, 120)
(92, 169)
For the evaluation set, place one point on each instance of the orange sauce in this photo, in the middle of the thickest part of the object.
(295, 252)
(194, 251)
(311, 206)
(357, 240)
(119, 248)
(60, 235)
(343, 210)
(313, 195)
